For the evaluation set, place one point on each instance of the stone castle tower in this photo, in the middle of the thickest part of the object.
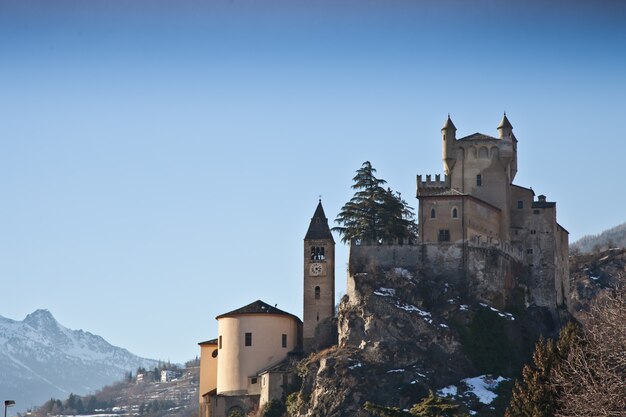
(319, 280)
(476, 204)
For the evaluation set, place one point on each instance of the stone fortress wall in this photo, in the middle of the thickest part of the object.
(492, 273)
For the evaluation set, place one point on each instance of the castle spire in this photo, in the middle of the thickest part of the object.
(448, 124)
(448, 152)
(505, 128)
(318, 228)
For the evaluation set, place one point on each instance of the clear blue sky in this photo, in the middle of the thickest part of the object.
(160, 161)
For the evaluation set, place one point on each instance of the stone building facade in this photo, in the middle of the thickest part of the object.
(246, 366)
(476, 225)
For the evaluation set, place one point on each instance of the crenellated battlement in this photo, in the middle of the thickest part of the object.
(435, 185)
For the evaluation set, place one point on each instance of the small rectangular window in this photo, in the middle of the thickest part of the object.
(529, 251)
(220, 342)
(248, 339)
(284, 341)
(479, 180)
(444, 235)
(520, 204)
(253, 381)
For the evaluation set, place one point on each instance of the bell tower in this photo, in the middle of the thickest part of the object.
(319, 282)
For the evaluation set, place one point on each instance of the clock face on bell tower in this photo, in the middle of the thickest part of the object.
(316, 269)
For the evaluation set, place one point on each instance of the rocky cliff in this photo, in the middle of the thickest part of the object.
(592, 275)
(402, 333)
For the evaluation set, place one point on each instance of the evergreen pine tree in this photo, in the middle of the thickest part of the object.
(430, 406)
(435, 406)
(374, 213)
(535, 395)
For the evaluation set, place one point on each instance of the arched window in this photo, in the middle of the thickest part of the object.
(455, 213)
(317, 253)
(317, 293)
(433, 213)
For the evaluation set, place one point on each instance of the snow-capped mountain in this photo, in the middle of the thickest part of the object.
(40, 359)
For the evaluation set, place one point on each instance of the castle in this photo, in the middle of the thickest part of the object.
(477, 230)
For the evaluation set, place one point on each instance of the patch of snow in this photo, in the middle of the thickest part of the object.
(482, 386)
(463, 307)
(449, 391)
(594, 278)
(385, 292)
(411, 308)
(502, 314)
(604, 258)
(395, 370)
(356, 365)
(445, 326)
(472, 412)
(451, 301)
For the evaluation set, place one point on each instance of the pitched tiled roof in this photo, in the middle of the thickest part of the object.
(257, 307)
(479, 136)
(318, 228)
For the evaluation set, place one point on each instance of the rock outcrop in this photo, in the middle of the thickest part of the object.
(401, 334)
(592, 275)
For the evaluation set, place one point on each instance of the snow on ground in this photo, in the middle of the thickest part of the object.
(395, 370)
(385, 292)
(482, 386)
(449, 391)
(503, 314)
(356, 365)
(411, 308)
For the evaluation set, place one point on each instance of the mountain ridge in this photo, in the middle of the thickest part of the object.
(40, 358)
(613, 237)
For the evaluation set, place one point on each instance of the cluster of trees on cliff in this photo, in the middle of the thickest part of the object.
(374, 213)
(583, 373)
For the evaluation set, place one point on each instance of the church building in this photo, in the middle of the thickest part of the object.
(248, 364)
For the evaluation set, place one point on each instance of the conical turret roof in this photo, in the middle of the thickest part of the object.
(318, 228)
(504, 123)
(448, 124)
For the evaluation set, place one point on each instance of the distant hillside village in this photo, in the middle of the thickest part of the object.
(495, 242)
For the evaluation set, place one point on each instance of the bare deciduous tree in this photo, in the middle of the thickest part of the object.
(591, 380)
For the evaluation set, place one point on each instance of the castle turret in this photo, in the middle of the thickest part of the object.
(448, 137)
(508, 147)
(505, 129)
